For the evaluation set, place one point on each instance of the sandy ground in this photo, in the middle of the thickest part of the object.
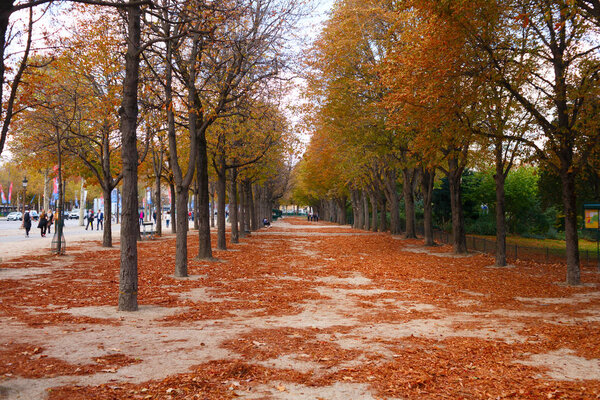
(338, 314)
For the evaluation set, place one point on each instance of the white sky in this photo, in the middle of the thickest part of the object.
(309, 29)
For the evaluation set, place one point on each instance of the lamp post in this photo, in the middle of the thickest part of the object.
(24, 193)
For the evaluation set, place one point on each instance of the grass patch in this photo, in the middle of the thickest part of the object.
(556, 246)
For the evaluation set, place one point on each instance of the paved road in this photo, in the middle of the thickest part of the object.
(13, 242)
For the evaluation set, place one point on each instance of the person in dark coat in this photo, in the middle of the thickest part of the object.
(27, 222)
(50, 220)
(43, 223)
(90, 220)
(100, 220)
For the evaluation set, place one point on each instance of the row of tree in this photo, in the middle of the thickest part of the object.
(162, 90)
(402, 91)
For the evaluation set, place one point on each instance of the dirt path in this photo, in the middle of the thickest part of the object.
(298, 311)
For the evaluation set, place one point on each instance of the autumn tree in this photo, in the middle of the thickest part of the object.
(12, 65)
(236, 144)
(94, 57)
(345, 85)
(437, 103)
(553, 73)
(53, 107)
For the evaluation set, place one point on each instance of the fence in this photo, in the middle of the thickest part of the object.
(515, 251)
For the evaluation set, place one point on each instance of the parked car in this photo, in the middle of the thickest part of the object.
(14, 216)
(74, 214)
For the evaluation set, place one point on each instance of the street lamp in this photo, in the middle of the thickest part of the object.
(24, 193)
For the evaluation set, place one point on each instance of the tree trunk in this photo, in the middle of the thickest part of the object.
(499, 179)
(330, 210)
(173, 210)
(195, 207)
(128, 275)
(359, 210)
(221, 183)
(373, 211)
(393, 199)
(356, 209)
(242, 207)
(204, 242)
(107, 224)
(365, 204)
(233, 206)
(158, 204)
(428, 178)
(572, 241)
(266, 203)
(181, 253)
(408, 189)
(247, 205)
(183, 179)
(212, 204)
(82, 203)
(459, 238)
(341, 204)
(60, 206)
(251, 205)
(382, 213)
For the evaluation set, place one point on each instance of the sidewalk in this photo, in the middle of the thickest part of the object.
(14, 244)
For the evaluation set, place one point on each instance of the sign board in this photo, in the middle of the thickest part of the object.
(591, 214)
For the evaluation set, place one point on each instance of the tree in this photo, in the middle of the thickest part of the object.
(437, 100)
(9, 37)
(345, 85)
(128, 276)
(236, 144)
(551, 37)
(52, 108)
(94, 59)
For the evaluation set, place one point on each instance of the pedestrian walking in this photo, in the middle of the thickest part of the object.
(90, 220)
(27, 222)
(50, 220)
(43, 223)
(141, 217)
(168, 218)
(100, 219)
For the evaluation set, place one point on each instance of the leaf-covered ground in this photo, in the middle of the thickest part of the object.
(302, 310)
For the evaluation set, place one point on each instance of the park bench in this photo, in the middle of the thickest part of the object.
(148, 230)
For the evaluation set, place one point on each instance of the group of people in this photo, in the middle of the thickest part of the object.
(45, 222)
(312, 217)
(90, 216)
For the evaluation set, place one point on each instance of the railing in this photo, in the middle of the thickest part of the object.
(516, 251)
